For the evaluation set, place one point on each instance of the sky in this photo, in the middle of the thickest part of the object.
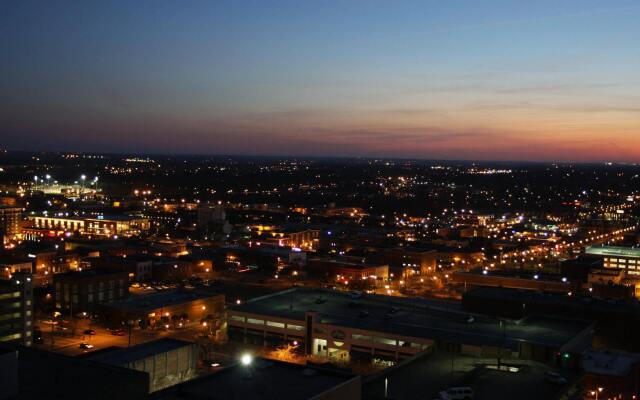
(479, 80)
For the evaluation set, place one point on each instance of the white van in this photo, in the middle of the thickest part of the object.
(457, 393)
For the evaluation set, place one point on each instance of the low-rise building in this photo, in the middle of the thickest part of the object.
(614, 257)
(347, 269)
(262, 379)
(79, 291)
(167, 361)
(616, 373)
(167, 309)
(341, 326)
(101, 225)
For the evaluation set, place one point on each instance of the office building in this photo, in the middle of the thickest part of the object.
(16, 309)
(615, 257)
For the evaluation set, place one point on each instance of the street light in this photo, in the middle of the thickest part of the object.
(596, 392)
(246, 359)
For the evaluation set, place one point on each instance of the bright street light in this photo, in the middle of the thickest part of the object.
(246, 359)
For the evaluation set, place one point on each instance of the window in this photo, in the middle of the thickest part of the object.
(356, 336)
(275, 324)
(255, 321)
(295, 327)
(9, 316)
(9, 295)
(10, 337)
(237, 318)
(389, 342)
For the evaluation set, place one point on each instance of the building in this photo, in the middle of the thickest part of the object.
(101, 225)
(170, 308)
(118, 225)
(16, 309)
(138, 268)
(407, 261)
(514, 279)
(616, 372)
(46, 375)
(9, 386)
(166, 361)
(617, 323)
(341, 326)
(624, 258)
(347, 269)
(303, 239)
(12, 265)
(10, 221)
(84, 290)
(210, 213)
(261, 379)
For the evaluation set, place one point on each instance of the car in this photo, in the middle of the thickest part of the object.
(555, 378)
(89, 332)
(117, 332)
(86, 346)
(457, 393)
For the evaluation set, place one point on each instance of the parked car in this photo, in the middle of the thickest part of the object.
(89, 332)
(86, 346)
(117, 331)
(555, 378)
(457, 393)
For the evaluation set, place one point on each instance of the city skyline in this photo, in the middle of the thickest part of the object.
(428, 80)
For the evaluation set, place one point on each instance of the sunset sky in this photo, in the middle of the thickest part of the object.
(482, 80)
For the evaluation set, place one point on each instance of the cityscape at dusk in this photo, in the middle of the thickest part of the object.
(480, 80)
(323, 200)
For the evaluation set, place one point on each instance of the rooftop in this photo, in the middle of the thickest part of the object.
(123, 356)
(152, 302)
(614, 251)
(263, 379)
(90, 272)
(609, 362)
(413, 317)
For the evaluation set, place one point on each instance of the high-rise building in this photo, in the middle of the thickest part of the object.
(16, 309)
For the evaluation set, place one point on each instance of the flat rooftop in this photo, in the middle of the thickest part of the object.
(123, 356)
(614, 251)
(262, 380)
(149, 303)
(424, 376)
(113, 217)
(90, 272)
(609, 362)
(413, 317)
